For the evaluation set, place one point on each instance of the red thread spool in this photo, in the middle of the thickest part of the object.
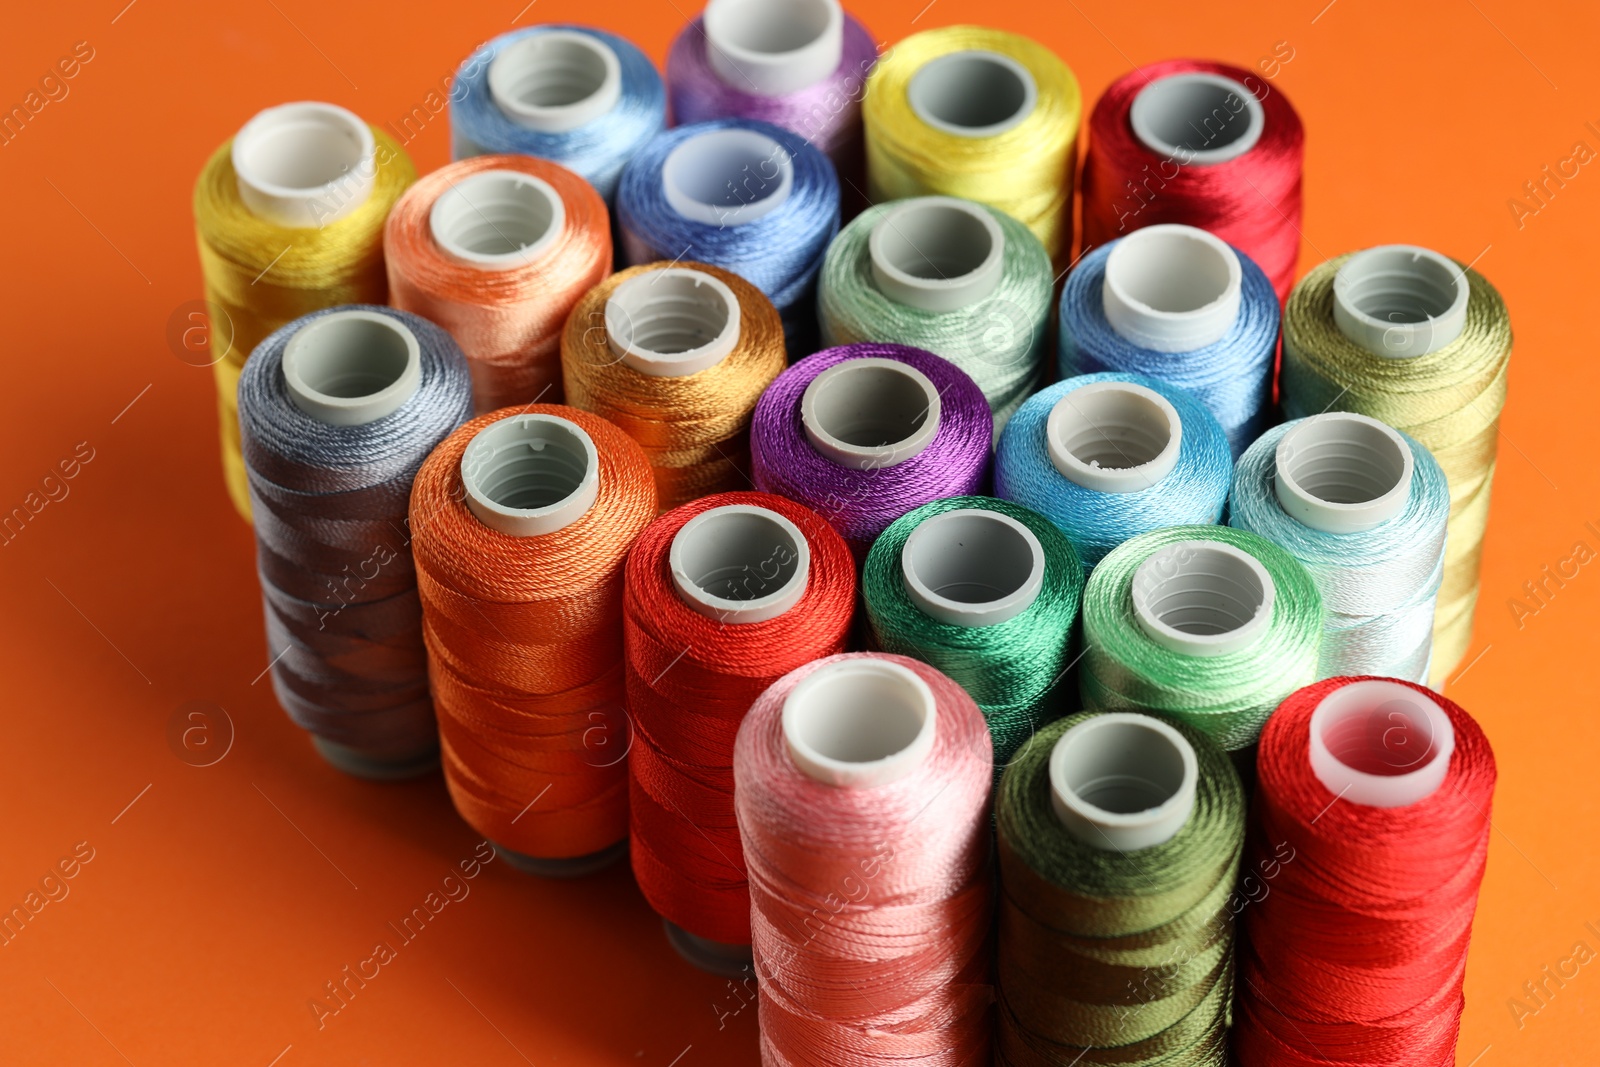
(1370, 829)
(1200, 143)
(724, 596)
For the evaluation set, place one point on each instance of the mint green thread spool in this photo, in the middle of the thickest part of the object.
(988, 592)
(1210, 625)
(959, 279)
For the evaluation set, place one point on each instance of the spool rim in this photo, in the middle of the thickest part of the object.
(688, 295)
(513, 65)
(1425, 282)
(1185, 265)
(839, 397)
(1198, 577)
(718, 176)
(1116, 740)
(936, 88)
(1172, 102)
(734, 525)
(340, 344)
(308, 136)
(1353, 440)
(906, 714)
(1369, 704)
(469, 203)
(728, 27)
(933, 537)
(940, 222)
(1122, 417)
(495, 448)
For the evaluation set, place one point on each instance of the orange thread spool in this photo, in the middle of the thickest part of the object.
(497, 250)
(677, 355)
(521, 521)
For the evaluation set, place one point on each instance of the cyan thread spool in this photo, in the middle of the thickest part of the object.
(960, 279)
(1176, 303)
(1109, 456)
(1364, 508)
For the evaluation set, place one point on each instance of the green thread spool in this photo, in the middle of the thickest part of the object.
(987, 591)
(1120, 838)
(1209, 625)
(957, 278)
(1423, 343)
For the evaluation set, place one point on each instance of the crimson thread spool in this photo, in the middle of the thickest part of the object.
(1373, 801)
(498, 250)
(1199, 143)
(724, 596)
(861, 788)
(521, 521)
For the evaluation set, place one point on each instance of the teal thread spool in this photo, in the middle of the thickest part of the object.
(959, 279)
(1210, 625)
(988, 592)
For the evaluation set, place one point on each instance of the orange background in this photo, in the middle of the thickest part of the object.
(220, 902)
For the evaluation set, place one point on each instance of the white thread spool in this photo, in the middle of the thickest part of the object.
(1380, 743)
(1197, 118)
(1203, 598)
(1172, 288)
(1114, 437)
(497, 219)
(727, 177)
(672, 322)
(556, 81)
(1343, 473)
(773, 47)
(860, 723)
(870, 413)
(972, 567)
(352, 367)
(1122, 781)
(937, 253)
(1400, 301)
(974, 93)
(304, 165)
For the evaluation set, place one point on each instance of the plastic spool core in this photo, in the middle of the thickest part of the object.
(672, 322)
(1400, 301)
(937, 253)
(972, 567)
(304, 165)
(727, 177)
(349, 368)
(1114, 437)
(773, 47)
(1197, 118)
(497, 219)
(530, 474)
(869, 413)
(860, 723)
(1172, 288)
(555, 81)
(1123, 781)
(974, 93)
(1343, 473)
(1380, 743)
(740, 564)
(1203, 598)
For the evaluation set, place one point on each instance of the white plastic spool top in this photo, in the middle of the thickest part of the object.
(672, 322)
(869, 413)
(740, 564)
(937, 253)
(556, 81)
(1380, 743)
(860, 723)
(530, 474)
(1343, 473)
(974, 93)
(349, 368)
(304, 165)
(972, 567)
(727, 177)
(1172, 288)
(1114, 437)
(1203, 598)
(1123, 781)
(497, 219)
(773, 47)
(1197, 118)
(1400, 301)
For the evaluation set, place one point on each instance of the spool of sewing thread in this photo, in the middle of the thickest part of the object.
(799, 64)
(864, 433)
(289, 218)
(497, 250)
(1180, 305)
(1363, 508)
(960, 279)
(1199, 143)
(581, 97)
(1120, 839)
(988, 592)
(521, 521)
(1373, 802)
(977, 113)
(677, 355)
(1209, 625)
(1109, 456)
(742, 195)
(1422, 343)
(724, 596)
(337, 410)
(861, 788)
